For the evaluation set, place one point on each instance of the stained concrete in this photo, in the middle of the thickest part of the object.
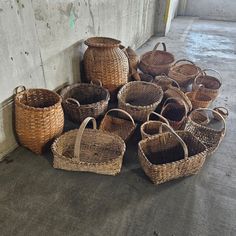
(36, 199)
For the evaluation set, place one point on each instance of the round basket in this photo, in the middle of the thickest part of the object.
(222, 110)
(139, 98)
(183, 71)
(39, 117)
(165, 82)
(89, 150)
(83, 100)
(211, 85)
(156, 62)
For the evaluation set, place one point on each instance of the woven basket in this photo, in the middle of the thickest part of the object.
(119, 126)
(222, 110)
(171, 155)
(183, 71)
(89, 150)
(146, 77)
(165, 82)
(211, 85)
(152, 127)
(104, 60)
(39, 117)
(156, 62)
(83, 100)
(139, 98)
(209, 136)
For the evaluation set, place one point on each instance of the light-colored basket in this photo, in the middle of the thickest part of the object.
(171, 155)
(139, 98)
(39, 117)
(152, 127)
(89, 150)
(119, 126)
(209, 136)
(82, 100)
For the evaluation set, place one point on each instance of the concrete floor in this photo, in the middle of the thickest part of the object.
(36, 199)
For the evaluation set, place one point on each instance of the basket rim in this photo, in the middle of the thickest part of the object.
(111, 42)
(175, 67)
(207, 98)
(208, 76)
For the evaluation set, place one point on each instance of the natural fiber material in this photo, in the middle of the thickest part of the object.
(145, 77)
(39, 117)
(83, 100)
(183, 71)
(89, 150)
(209, 136)
(210, 85)
(165, 82)
(171, 155)
(104, 60)
(222, 110)
(139, 98)
(156, 62)
(152, 127)
(119, 126)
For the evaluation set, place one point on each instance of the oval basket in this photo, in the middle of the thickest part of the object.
(83, 100)
(39, 117)
(139, 98)
(89, 150)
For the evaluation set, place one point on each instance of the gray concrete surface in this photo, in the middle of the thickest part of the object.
(36, 199)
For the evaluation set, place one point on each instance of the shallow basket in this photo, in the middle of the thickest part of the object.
(89, 150)
(183, 71)
(83, 100)
(139, 98)
(171, 155)
(156, 62)
(39, 117)
(119, 126)
(209, 136)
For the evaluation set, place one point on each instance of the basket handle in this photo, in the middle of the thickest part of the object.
(22, 87)
(96, 81)
(159, 115)
(72, 100)
(181, 60)
(80, 133)
(183, 144)
(156, 46)
(203, 72)
(172, 80)
(122, 111)
(223, 110)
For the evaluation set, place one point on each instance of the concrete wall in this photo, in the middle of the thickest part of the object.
(41, 43)
(209, 9)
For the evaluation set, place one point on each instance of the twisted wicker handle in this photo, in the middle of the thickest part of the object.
(183, 144)
(222, 110)
(80, 133)
(159, 115)
(203, 72)
(182, 60)
(22, 87)
(96, 80)
(122, 111)
(72, 100)
(156, 46)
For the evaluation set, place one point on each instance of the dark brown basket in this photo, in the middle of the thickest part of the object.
(222, 110)
(165, 82)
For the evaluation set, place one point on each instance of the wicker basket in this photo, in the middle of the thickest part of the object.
(89, 150)
(139, 98)
(222, 110)
(209, 136)
(183, 71)
(156, 62)
(145, 77)
(119, 126)
(83, 100)
(39, 117)
(104, 60)
(211, 84)
(152, 127)
(171, 155)
(165, 82)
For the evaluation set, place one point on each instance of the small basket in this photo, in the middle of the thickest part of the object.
(89, 150)
(209, 136)
(222, 110)
(165, 82)
(171, 155)
(210, 85)
(39, 117)
(139, 98)
(83, 100)
(183, 71)
(156, 62)
(119, 126)
(152, 127)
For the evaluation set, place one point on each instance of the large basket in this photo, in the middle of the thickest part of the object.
(117, 125)
(89, 150)
(152, 127)
(171, 155)
(209, 136)
(165, 82)
(183, 71)
(83, 100)
(39, 117)
(156, 62)
(211, 85)
(139, 98)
